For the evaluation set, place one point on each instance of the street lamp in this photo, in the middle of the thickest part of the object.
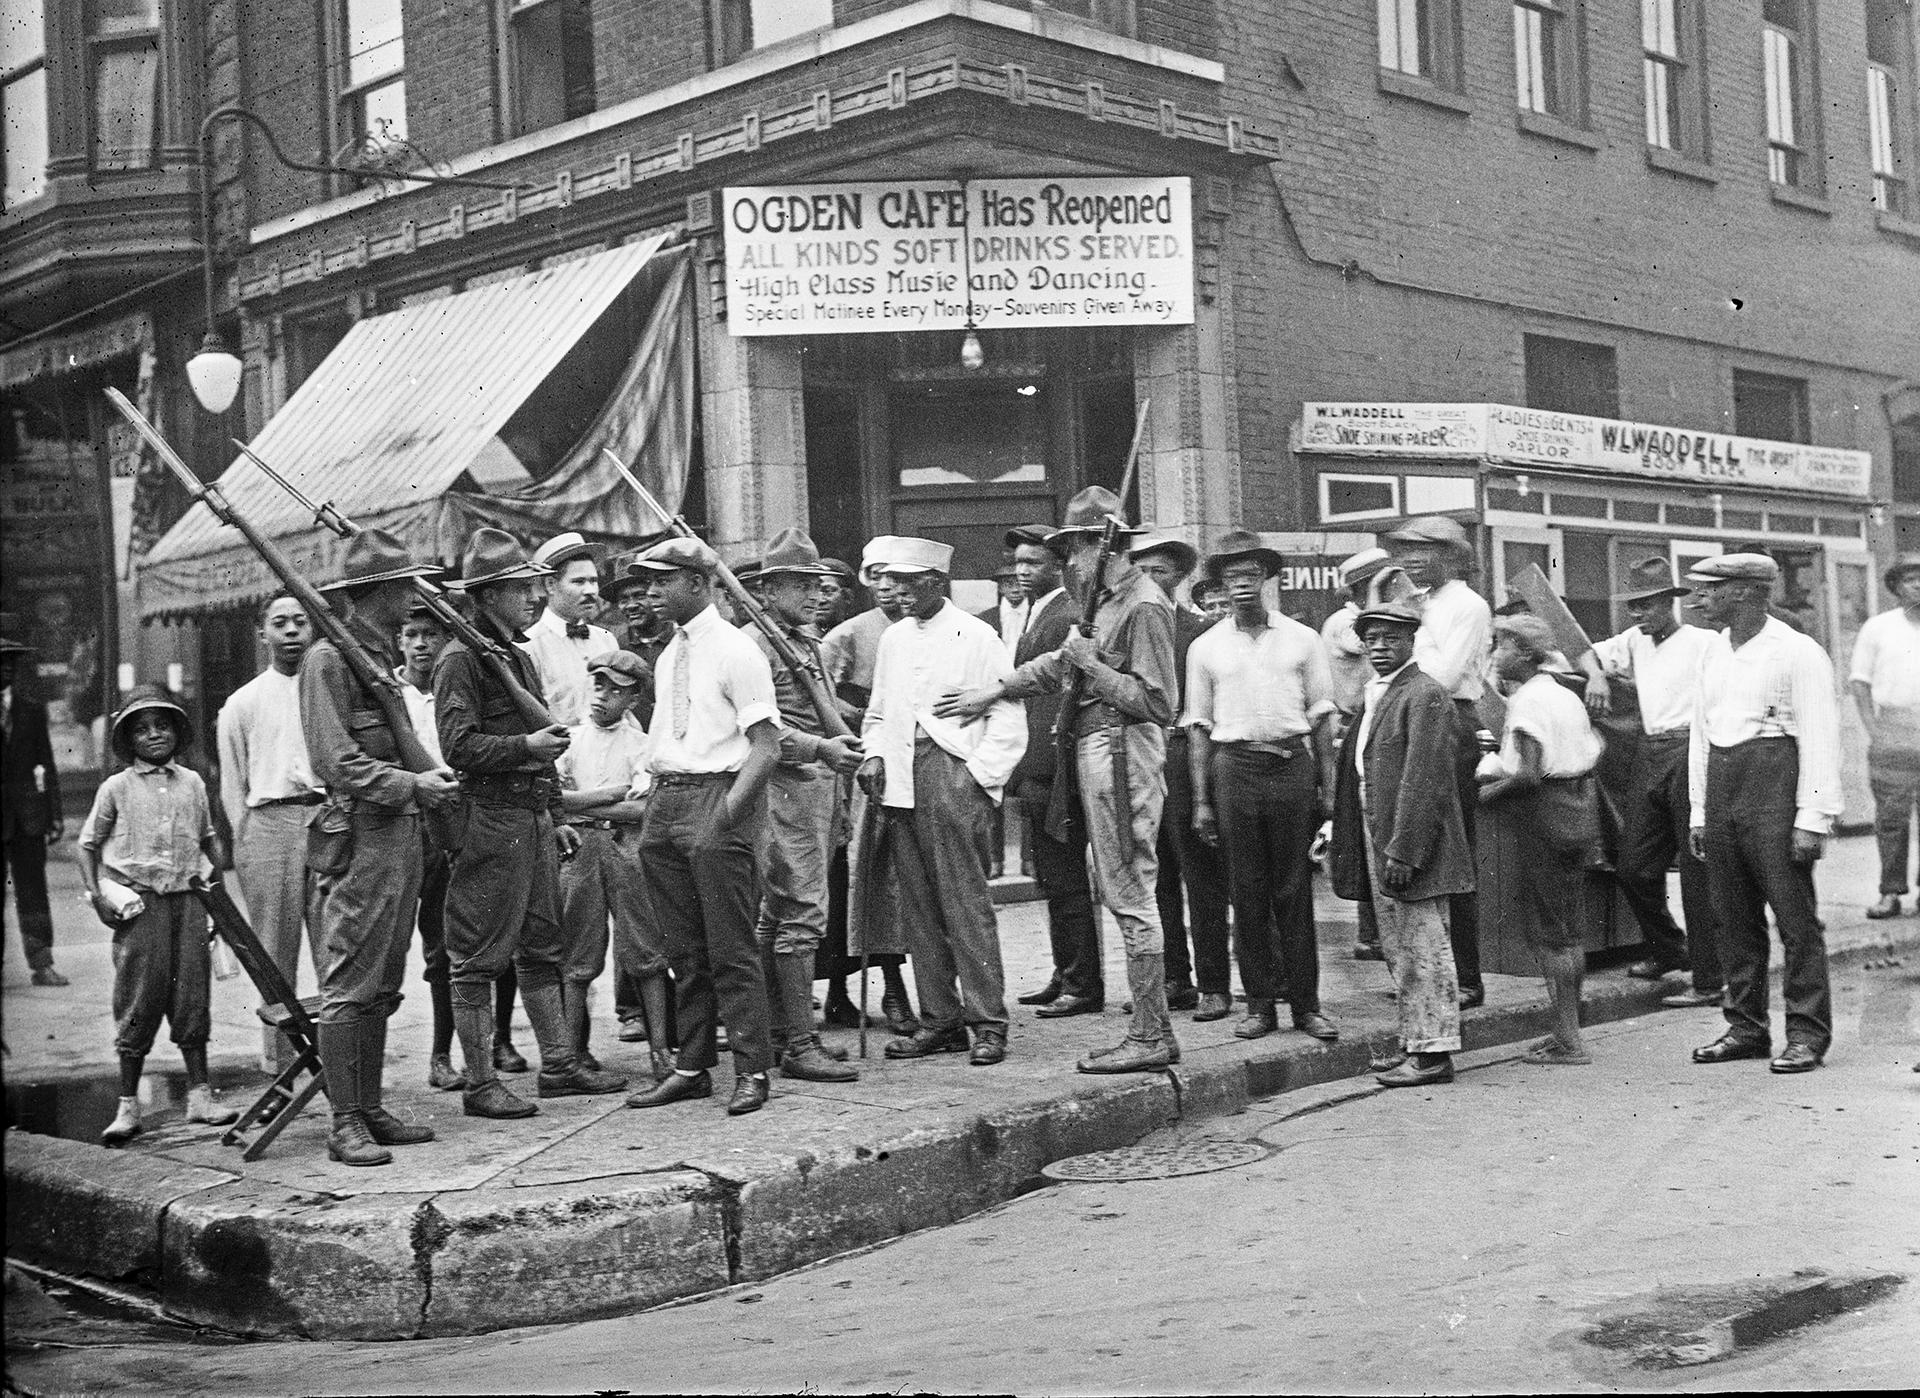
(214, 372)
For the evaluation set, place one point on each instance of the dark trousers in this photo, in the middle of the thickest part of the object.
(503, 898)
(27, 872)
(162, 969)
(1654, 821)
(1751, 790)
(1268, 814)
(435, 868)
(363, 919)
(1463, 909)
(1894, 775)
(1060, 869)
(1189, 864)
(705, 894)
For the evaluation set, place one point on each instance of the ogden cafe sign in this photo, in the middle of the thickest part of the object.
(864, 258)
(1530, 437)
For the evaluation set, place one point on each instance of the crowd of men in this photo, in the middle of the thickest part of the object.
(725, 812)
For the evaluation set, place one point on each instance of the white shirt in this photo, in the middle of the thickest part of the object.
(1886, 658)
(1453, 642)
(420, 709)
(263, 749)
(1363, 730)
(1013, 622)
(918, 662)
(1663, 672)
(1780, 683)
(1260, 686)
(1549, 713)
(562, 662)
(729, 689)
(598, 757)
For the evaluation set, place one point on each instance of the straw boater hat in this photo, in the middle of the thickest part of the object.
(918, 556)
(1905, 563)
(1362, 566)
(1431, 529)
(677, 554)
(1734, 567)
(373, 556)
(1088, 513)
(1183, 554)
(494, 556)
(1648, 580)
(557, 552)
(144, 697)
(1241, 546)
(791, 551)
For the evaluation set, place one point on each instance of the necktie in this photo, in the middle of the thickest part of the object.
(577, 630)
(682, 682)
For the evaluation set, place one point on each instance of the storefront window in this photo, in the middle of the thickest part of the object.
(969, 434)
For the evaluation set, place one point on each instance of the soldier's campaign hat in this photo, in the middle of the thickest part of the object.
(791, 551)
(672, 555)
(1649, 579)
(1431, 529)
(492, 556)
(874, 556)
(374, 556)
(139, 700)
(1088, 513)
(1904, 564)
(622, 667)
(1183, 554)
(1734, 567)
(1241, 546)
(1363, 565)
(557, 552)
(918, 556)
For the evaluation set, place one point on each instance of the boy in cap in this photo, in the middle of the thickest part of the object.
(604, 782)
(563, 639)
(30, 819)
(503, 894)
(148, 836)
(1885, 680)
(1764, 783)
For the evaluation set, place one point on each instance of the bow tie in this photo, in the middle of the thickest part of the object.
(577, 630)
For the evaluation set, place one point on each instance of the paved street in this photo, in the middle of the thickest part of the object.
(1458, 1239)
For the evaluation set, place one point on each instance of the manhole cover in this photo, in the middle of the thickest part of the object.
(1156, 1162)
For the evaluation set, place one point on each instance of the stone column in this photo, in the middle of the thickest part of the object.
(1190, 457)
(753, 431)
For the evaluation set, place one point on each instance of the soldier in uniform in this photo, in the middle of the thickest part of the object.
(366, 897)
(503, 891)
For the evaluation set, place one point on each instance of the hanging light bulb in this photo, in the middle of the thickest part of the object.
(214, 373)
(972, 356)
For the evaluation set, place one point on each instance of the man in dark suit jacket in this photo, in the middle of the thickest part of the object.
(1078, 985)
(1403, 820)
(29, 811)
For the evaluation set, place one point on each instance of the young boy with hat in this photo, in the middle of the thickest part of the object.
(148, 836)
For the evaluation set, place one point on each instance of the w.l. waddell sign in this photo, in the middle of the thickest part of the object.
(839, 259)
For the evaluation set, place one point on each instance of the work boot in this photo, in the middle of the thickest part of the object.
(573, 1008)
(1149, 1041)
(202, 1108)
(382, 1125)
(486, 1095)
(898, 1012)
(350, 1143)
(810, 1063)
(561, 1072)
(125, 1125)
(1260, 1020)
(442, 1075)
(791, 984)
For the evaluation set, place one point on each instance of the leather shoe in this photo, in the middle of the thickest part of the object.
(898, 1011)
(1046, 995)
(441, 1074)
(1368, 951)
(633, 1031)
(812, 1064)
(493, 1100)
(1181, 997)
(926, 1041)
(1316, 1025)
(675, 1087)
(507, 1059)
(1130, 1055)
(750, 1091)
(1729, 1047)
(1473, 999)
(46, 975)
(580, 1081)
(1648, 970)
(841, 1013)
(1213, 1005)
(1259, 1022)
(1798, 1058)
(1888, 906)
(1411, 1074)
(1071, 1005)
(388, 1130)
(988, 1049)
(1690, 999)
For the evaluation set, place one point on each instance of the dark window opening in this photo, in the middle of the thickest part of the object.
(553, 78)
(1571, 376)
(1770, 406)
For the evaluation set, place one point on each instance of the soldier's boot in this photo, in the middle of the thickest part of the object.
(485, 1094)
(341, 1049)
(382, 1125)
(804, 1058)
(1149, 1044)
(561, 1072)
(574, 1006)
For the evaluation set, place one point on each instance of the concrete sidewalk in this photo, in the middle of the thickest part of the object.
(592, 1209)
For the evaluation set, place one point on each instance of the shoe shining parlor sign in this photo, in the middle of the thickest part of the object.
(903, 255)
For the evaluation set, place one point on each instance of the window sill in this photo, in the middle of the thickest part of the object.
(1800, 199)
(1421, 90)
(1674, 163)
(1553, 128)
(1897, 226)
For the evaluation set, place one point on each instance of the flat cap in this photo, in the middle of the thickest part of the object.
(670, 555)
(622, 667)
(1430, 529)
(1899, 568)
(1734, 567)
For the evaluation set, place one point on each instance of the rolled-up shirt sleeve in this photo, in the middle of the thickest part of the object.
(339, 762)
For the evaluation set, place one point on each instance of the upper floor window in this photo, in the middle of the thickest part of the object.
(552, 61)
(1792, 114)
(746, 25)
(371, 71)
(1669, 39)
(123, 62)
(1890, 69)
(23, 100)
(1571, 376)
(1419, 38)
(1770, 406)
(1116, 15)
(1547, 57)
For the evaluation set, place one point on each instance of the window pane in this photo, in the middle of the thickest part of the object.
(1389, 33)
(123, 17)
(1779, 49)
(553, 63)
(23, 33)
(125, 92)
(1659, 28)
(374, 44)
(26, 137)
(1659, 105)
(1880, 119)
(774, 20)
(383, 111)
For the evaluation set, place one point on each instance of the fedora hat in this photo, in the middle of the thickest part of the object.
(1183, 554)
(1431, 529)
(1905, 563)
(375, 556)
(791, 551)
(1649, 579)
(1239, 546)
(140, 699)
(557, 552)
(918, 556)
(675, 554)
(492, 556)
(1088, 513)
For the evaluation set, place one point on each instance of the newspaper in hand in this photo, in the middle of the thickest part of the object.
(126, 904)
